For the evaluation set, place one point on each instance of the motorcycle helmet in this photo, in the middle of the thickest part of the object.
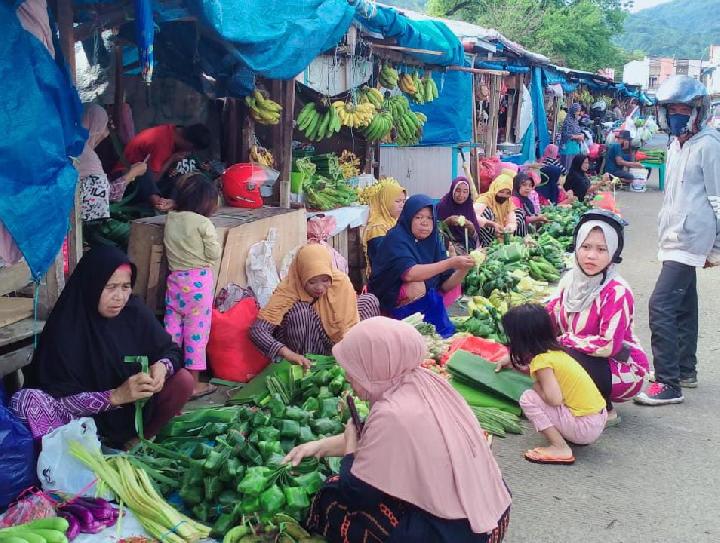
(683, 89)
(616, 222)
(241, 185)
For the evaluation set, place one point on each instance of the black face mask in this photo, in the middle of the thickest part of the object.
(501, 199)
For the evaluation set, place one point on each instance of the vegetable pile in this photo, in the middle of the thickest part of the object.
(326, 188)
(45, 530)
(562, 221)
(225, 464)
(87, 516)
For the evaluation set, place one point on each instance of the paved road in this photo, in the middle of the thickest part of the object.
(655, 478)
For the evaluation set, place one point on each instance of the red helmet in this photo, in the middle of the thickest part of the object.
(241, 184)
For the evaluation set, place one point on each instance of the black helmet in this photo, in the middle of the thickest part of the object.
(615, 221)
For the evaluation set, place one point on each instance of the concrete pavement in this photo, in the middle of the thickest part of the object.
(655, 478)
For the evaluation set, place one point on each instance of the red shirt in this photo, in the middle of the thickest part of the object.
(158, 142)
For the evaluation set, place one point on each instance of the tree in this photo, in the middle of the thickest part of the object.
(576, 33)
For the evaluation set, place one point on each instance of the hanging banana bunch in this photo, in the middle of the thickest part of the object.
(372, 96)
(262, 156)
(352, 115)
(318, 121)
(262, 108)
(388, 77)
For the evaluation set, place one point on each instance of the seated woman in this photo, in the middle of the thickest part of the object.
(550, 158)
(386, 204)
(412, 266)
(495, 211)
(593, 309)
(577, 179)
(420, 469)
(456, 210)
(79, 367)
(525, 210)
(310, 310)
(96, 191)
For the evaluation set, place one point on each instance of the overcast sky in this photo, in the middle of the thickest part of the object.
(643, 4)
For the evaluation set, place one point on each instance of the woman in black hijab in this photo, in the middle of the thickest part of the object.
(79, 367)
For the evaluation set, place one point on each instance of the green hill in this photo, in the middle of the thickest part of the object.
(681, 28)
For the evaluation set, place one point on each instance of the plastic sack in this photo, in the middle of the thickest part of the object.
(262, 275)
(30, 506)
(58, 470)
(319, 230)
(489, 350)
(17, 457)
(231, 353)
(488, 170)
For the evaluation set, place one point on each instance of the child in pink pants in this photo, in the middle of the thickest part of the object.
(564, 403)
(192, 249)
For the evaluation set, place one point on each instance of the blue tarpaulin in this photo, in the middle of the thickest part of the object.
(537, 136)
(42, 115)
(450, 115)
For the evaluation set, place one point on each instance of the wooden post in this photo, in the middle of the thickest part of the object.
(282, 136)
(492, 129)
(50, 287)
(119, 87)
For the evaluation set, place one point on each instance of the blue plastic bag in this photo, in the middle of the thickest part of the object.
(17, 460)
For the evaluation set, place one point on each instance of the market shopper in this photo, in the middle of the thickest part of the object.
(526, 212)
(385, 205)
(420, 469)
(311, 309)
(80, 369)
(495, 211)
(412, 271)
(550, 158)
(689, 227)
(162, 147)
(593, 311)
(619, 157)
(564, 403)
(456, 210)
(96, 191)
(571, 135)
(192, 250)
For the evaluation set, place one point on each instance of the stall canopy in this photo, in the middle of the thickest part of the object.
(449, 116)
(42, 116)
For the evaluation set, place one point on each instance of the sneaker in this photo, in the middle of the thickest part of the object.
(688, 382)
(659, 394)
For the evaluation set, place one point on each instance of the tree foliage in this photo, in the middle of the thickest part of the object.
(575, 33)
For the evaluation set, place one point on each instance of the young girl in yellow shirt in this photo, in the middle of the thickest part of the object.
(564, 403)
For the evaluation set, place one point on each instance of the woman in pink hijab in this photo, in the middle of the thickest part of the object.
(421, 469)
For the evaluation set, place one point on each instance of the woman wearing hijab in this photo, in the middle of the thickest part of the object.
(593, 309)
(495, 211)
(386, 204)
(571, 135)
(96, 192)
(577, 179)
(80, 368)
(420, 468)
(526, 211)
(412, 270)
(310, 310)
(456, 210)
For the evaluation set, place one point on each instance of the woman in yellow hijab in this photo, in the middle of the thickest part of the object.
(386, 200)
(495, 210)
(310, 310)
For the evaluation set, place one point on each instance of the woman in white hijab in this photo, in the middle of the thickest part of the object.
(593, 309)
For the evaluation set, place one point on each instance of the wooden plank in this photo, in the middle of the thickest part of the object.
(19, 331)
(13, 278)
(65, 15)
(13, 310)
(494, 114)
(51, 286)
(287, 121)
(14, 360)
(406, 49)
(156, 277)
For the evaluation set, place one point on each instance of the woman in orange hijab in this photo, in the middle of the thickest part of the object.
(421, 469)
(310, 310)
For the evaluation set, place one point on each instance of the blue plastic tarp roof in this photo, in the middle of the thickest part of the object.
(42, 117)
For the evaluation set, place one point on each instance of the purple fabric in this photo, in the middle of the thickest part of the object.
(447, 207)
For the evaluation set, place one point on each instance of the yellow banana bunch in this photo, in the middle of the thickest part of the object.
(407, 84)
(354, 116)
(263, 109)
(262, 156)
(372, 96)
(367, 194)
(349, 164)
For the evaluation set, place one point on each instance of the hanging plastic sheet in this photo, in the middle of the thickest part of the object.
(450, 115)
(145, 32)
(42, 114)
(540, 118)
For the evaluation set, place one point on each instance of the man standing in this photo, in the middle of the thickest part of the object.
(619, 157)
(689, 236)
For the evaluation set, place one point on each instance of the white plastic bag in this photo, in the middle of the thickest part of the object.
(59, 470)
(262, 275)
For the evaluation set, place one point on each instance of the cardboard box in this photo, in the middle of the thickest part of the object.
(237, 230)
